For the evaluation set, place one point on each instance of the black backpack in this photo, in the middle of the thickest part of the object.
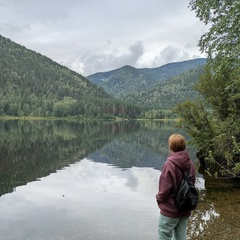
(186, 197)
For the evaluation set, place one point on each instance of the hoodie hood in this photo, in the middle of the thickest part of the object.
(181, 159)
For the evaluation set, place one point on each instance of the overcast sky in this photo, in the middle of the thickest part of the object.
(91, 36)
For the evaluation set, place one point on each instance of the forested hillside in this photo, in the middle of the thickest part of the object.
(34, 85)
(168, 93)
(128, 80)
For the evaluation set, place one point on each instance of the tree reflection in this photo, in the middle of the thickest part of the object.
(34, 149)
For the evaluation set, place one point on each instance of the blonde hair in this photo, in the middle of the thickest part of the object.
(177, 143)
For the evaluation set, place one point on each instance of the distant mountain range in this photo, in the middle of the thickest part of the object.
(128, 80)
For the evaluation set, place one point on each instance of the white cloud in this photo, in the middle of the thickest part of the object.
(170, 54)
(111, 60)
(101, 35)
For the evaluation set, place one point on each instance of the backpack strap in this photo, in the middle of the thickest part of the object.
(183, 177)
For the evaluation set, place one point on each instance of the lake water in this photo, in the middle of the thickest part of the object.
(66, 180)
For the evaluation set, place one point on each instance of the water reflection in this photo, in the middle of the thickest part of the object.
(144, 148)
(86, 200)
(96, 180)
(217, 215)
(34, 149)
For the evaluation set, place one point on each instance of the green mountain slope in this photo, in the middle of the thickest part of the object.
(168, 93)
(34, 85)
(128, 80)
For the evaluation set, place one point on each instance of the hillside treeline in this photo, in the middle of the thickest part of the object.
(34, 85)
(170, 92)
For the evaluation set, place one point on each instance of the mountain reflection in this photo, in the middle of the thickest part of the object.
(144, 148)
(33, 149)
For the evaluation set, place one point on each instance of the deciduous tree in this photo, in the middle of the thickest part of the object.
(213, 120)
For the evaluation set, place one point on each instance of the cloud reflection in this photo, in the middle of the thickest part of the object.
(69, 203)
(82, 195)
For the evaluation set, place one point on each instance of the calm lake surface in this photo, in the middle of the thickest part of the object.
(65, 180)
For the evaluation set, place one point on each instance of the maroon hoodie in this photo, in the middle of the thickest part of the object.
(170, 179)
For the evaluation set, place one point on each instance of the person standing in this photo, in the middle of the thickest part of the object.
(173, 223)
